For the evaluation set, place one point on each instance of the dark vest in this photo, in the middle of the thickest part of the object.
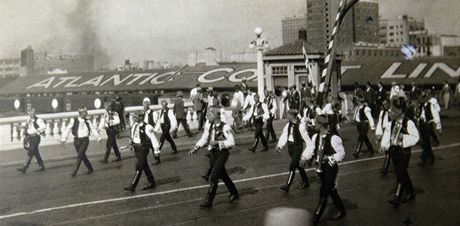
(258, 109)
(362, 114)
(219, 133)
(297, 136)
(428, 114)
(145, 140)
(35, 122)
(404, 126)
(166, 120)
(150, 118)
(385, 112)
(328, 149)
(270, 102)
(76, 124)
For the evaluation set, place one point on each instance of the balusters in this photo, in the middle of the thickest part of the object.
(63, 125)
(48, 129)
(15, 132)
(22, 130)
(56, 128)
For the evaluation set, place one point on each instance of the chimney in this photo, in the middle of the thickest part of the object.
(303, 34)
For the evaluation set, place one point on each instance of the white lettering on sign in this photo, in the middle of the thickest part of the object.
(45, 83)
(418, 70)
(343, 69)
(389, 73)
(155, 80)
(202, 78)
(148, 79)
(62, 80)
(116, 80)
(448, 70)
(71, 83)
(137, 77)
(94, 82)
(233, 77)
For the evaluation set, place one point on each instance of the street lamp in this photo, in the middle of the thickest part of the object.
(259, 44)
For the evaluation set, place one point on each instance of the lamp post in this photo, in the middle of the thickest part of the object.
(259, 44)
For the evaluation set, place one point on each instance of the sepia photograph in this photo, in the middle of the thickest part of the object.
(229, 112)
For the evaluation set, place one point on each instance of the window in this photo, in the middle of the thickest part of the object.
(279, 70)
(391, 33)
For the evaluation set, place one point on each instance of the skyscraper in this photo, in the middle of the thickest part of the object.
(291, 28)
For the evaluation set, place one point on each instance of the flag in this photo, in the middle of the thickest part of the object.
(308, 66)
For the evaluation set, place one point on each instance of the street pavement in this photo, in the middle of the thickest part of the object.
(53, 197)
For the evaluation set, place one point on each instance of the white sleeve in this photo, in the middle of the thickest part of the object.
(266, 114)
(367, 111)
(66, 132)
(309, 149)
(412, 137)
(336, 143)
(275, 107)
(41, 125)
(93, 129)
(248, 114)
(204, 138)
(283, 138)
(436, 117)
(116, 119)
(304, 133)
(151, 135)
(385, 142)
(172, 119)
(229, 139)
(102, 122)
(379, 129)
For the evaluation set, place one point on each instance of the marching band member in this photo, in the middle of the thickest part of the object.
(364, 121)
(328, 150)
(110, 121)
(259, 112)
(34, 128)
(166, 123)
(382, 124)
(429, 120)
(81, 128)
(270, 101)
(294, 135)
(327, 109)
(181, 115)
(142, 139)
(149, 114)
(336, 117)
(217, 136)
(309, 114)
(398, 137)
(294, 98)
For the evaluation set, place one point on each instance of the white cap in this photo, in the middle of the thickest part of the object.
(146, 99)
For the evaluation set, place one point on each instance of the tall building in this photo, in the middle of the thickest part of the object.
(10, 67)
(27, 61)
(446, 45)
(364, 51)
(71, 63)
(361, 23)
(207, 56)
(291, 28)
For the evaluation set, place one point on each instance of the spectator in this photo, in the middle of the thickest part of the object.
(119, 108)
(181, 115)
(446, 91)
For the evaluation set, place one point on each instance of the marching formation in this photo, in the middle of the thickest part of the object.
(312, 134)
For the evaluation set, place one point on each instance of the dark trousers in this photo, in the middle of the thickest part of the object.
(259, 134)
(328, 186)
(295, 151)
(201, 119)
(111, 143)
(270, 130)
(167, 136)
(141, 153)
(81, 145)
(33, 151)
(401, 157)
(182, 121)
(363, 128)
(218, 160)
(426, 130)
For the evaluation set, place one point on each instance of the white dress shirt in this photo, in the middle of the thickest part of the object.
(135, 135)
(327, 109)
(160, 120)
(336, 143)
(82, 131)
(367, 112)
(227, 143)
(284, 136)
(253, 112)
(383, 122)
(434, 112)
(31, 130)
(408, 140)
(106, 122)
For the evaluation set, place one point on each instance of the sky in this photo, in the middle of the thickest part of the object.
(168, 30)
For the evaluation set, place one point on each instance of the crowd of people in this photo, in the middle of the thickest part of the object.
(312, 133)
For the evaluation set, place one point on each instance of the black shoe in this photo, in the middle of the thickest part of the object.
(338, 216)
(234, 197)
(104, 161)
(191, 135)
(174, 137)
(41, 169)
(90, 171)
(206, 205)
(356, 155)
(22, 170)
(285, 188)
(205, 177)
(130, 188)
(73, 174)
(384, 171)
(304, 185)
(252, 150)
(408, 198)
(394, 202)
(117, 160)
(150, 186)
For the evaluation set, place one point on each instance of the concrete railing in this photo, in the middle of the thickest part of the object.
(12, 128)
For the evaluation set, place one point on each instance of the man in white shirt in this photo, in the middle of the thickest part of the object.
(382, 124)
(166, 123)
(34, 128)
(110, 121)
(364, 121)
(142, 138)
(328, 150)
(429, 121)
(81, 128)
(295, 135)
(270, 101)
(259, 113)
(218, 137)
(398, 138)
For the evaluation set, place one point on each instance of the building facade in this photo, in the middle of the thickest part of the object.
(446, 45)
(291, 28)
(373, 51)
(10, 67)
(207, 56)
(45, 63)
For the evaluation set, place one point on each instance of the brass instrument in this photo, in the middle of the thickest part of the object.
(320, 154)
(395, 134)
(351, 117)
